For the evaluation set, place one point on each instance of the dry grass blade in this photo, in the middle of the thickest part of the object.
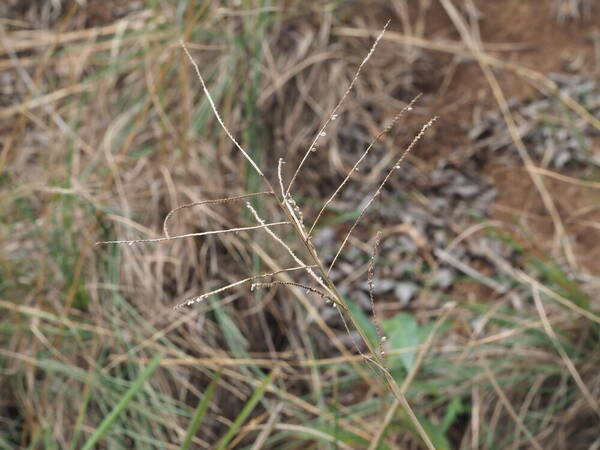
(208, 202)
(216, 111)
(204, 233)
(538, 80)
(363, 156)
(448, 258)
(569, 304)
(268, 428)
(199, 298)
(476, 48)
(376, 194)
(589, 397)
(506, 403)
(43, 100)
(565, 178)
(333, 114)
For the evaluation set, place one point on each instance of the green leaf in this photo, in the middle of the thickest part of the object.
(435, 432)
(455, 408)
(136, 386)
(233, 336)
(246, 410)
(403, 331)
(364, 321)
(200, 412)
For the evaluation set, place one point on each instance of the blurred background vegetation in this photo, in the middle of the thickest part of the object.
(486, 281)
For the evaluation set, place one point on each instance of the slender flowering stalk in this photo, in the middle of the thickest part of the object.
(396, 166)
(216, 111)
(334, 113)
(408, 107)
(371, 284)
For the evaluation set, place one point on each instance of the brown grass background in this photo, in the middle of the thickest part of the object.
(105, 129)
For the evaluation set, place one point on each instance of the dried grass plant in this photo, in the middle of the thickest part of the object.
(310, 261)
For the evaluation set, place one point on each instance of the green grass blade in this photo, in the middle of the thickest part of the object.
(87, 392)
(200, 412)
(246, 410)
(122, 405)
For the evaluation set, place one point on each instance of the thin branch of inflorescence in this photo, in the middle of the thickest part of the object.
(204, 233)
(334, 113)
(379, 189)
(208, 202)
(197, 299)
(320, 293)
(408, 107)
